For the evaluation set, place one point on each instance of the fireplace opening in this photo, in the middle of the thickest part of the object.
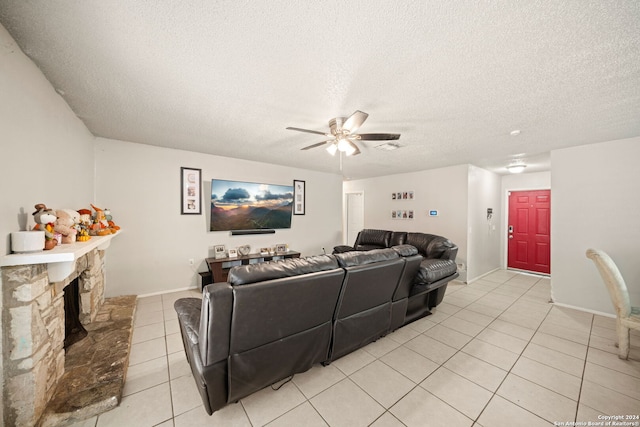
(73, 329)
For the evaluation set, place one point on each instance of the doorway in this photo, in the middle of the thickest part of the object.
(354, 216)
(529, 231)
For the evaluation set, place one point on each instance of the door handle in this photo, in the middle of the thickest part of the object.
(511, 236)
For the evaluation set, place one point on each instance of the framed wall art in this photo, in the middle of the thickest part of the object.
(190, 191)
(298, 197)
(220, 251)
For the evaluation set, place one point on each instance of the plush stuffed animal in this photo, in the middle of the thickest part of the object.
(109, 218)
(100, 226)
(66, 225)
(44, 219)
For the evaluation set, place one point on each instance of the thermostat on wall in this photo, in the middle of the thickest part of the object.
(433, 212)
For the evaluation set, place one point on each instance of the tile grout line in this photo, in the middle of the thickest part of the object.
(495, 393)
(584, 368)
(166, 348)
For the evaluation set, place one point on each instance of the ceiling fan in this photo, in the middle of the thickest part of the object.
(342, 134)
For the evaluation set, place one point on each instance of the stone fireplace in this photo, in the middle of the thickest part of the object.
(34, 321)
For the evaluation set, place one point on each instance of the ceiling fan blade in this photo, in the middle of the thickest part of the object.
(315, 145)
(309, 131)
(355, 121)
(377, 136)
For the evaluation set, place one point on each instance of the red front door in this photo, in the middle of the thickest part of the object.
(530, 231)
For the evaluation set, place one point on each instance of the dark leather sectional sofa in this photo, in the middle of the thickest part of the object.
(275, 319)
(437, 267)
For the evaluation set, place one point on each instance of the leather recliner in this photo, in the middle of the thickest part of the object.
(363, 313)
(436, 269)
(267, 322)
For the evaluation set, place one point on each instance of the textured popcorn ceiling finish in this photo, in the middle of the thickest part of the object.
(453, 77)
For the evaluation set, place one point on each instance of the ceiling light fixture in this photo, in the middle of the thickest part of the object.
(332, 149)
(516, 168)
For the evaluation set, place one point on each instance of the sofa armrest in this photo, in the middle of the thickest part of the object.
(215, 322)
(450, 253)
(342, 248)
(188, 310)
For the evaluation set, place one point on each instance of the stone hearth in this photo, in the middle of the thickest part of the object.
(95, 367)
(34, 325)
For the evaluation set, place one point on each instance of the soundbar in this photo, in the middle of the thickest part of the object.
(244, 232)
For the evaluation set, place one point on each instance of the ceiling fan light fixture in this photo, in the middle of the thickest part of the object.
(343, 144)
(349, 150)
(331, 149)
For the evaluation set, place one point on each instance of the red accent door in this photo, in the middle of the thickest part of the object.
(530, 231)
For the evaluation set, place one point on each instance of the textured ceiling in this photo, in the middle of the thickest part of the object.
(453, 77)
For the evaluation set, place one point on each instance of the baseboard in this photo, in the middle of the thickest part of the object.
(188, 288)
(468, 282)
(586, 310)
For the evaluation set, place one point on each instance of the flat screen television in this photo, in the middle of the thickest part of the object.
(237, 205)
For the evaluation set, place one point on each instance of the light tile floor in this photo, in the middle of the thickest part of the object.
(494, 353)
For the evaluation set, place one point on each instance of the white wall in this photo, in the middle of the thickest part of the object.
(516, 182)
(46, 152)
(141, 186)
(595, 204)
(483, 237)
(444, 189)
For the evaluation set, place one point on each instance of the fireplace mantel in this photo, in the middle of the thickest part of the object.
(61, 259)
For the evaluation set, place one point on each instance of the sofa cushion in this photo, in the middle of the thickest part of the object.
(349, 259)
(253, 273)
(432, 270)
(405, 250)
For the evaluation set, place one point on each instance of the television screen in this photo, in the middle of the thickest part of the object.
(239, 205)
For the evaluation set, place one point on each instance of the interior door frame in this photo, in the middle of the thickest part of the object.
(505, 224)
(345, 214)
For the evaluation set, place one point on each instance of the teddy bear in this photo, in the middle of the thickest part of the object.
(45, 219)
(66, 225)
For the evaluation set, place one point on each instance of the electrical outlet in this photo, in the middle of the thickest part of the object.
(190, 261)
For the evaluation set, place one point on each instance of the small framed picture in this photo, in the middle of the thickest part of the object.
(393, 196)
(264, 251)
(190, 191)
(298, 197)
(233, 253)
(220, 251)
(281, 248)
(398, 196)
(410, 214)
(393, 214)
(410, 195)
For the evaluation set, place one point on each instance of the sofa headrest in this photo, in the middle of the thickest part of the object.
(372, 237)
(398, 238)
(429, 245)
(350, 259)
(253, 273)
(405, 250)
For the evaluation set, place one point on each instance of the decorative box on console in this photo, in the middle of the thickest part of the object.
(27, 241)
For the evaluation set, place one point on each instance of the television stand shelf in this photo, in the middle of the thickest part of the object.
(219, 267)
